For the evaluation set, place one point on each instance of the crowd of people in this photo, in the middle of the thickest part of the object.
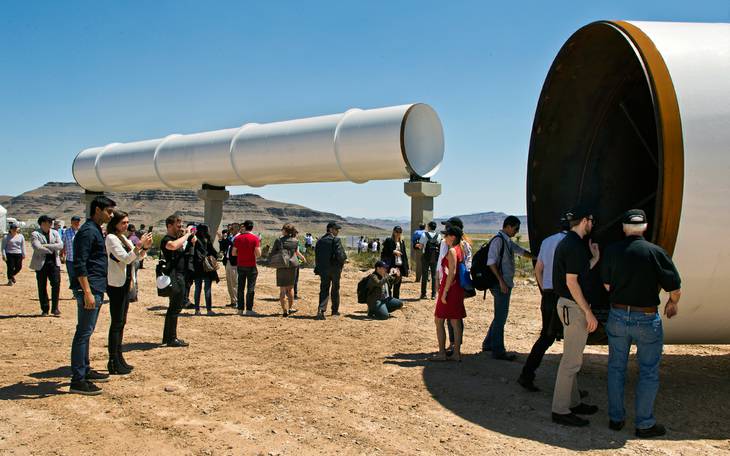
(102, 256)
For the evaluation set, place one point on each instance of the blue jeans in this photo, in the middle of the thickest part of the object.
(495, 336)
(80, 364)
(645, 330)
(199, 281)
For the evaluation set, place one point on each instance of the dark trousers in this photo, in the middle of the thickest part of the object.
(428, 270)
(205, 282)
(173, 310)
(450, 326)
(329, 286)
(49, 273)
(296, 282)
(548, 310)
(15, 264)
(246, 286)
(396, 285)
(118, 307)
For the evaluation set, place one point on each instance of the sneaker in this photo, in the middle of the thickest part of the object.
(84, 387)
(94, 376)
(570, 420)
(240, 312)
(209, 312)
(44, 314)
(335, 313)
(56, 313)
(422, 297)
(616, 425)
(584, 409)
(177, 343)
(655, 431)
(251, 313)
(529, 385)
(320, 316)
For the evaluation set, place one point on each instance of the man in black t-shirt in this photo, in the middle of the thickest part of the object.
(571, 265)
(173, 246)
(633, 270)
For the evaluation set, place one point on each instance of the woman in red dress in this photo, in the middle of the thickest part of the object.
(450, 302)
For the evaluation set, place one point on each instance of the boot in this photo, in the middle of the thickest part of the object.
(122, 361)
(115, 368)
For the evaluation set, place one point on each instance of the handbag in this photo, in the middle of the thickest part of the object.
(210, 264)
(281, 258)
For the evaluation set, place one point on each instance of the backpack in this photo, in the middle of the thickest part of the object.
(481, 275)
(362, 290)
(431, 250)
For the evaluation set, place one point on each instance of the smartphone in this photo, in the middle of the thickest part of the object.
(193, 229)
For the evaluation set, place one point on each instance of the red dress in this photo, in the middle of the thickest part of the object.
(454, 307)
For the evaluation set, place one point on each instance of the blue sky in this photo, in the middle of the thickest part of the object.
(81, 74)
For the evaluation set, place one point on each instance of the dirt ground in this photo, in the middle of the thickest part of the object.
(347, 385)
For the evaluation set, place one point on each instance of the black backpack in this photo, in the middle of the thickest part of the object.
(362, 290)
(481, 275)
(431, 250)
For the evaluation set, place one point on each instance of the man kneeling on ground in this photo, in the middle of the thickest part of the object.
(380, 302)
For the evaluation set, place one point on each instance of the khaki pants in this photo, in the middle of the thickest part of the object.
(232, 282)
(417, 259)
(566, 394)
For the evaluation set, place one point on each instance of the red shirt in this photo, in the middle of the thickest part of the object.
(246, 244)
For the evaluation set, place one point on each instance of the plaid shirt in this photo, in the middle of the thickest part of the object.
(68, 243)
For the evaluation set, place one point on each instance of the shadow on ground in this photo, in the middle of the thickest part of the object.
(484, 391)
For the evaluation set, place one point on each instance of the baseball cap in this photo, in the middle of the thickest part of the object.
(334, 225)
(454, 221)
(634, 217)
(398, 229)
(577, 213)
(380, 264)
(453, 230)
(12, 225)
(75, 218)
(45, 218)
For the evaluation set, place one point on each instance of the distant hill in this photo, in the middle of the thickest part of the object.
(483, 222)
(62, 200)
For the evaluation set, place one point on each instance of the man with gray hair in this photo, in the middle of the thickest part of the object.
(633, 271)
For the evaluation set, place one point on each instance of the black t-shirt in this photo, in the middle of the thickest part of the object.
(635, 269)
(175, 259)
(572, 256)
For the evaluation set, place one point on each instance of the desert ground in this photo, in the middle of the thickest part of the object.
(347, 385)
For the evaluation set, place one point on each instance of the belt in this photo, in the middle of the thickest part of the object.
(647, 310)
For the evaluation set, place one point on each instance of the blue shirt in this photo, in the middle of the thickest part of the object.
(546, 255)
(417, 236)
(68, 243)
(90, 258)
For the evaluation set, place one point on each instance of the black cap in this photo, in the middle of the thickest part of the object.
(454, 221)
(453, 230)
(398, 229)
(75, 218)
(45, 218)
(380, 264)
(334, 225)
(577, 213)
(634, 217)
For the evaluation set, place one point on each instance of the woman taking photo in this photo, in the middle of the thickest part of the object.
(288, 245)
(450, 302)
(395, 256)
(204, 271)
(120, 280)
(13, 248)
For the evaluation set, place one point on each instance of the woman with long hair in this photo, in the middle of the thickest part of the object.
(395, 256)
(450, 302)
(120, 280)
(13, 248)
(203, 249)
(286, 277)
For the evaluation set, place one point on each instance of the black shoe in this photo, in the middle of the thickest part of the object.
(296, 296)
(583, 394)
(116, 368)
(44, 314)
(527, 384)
(84, 387)
(177, 343)
(584, 409)
(320, 316)
(655, 431)
(423, 296)
(123, 362)
(56, 313)
(335, 313)
(570, 420)
(285, 314)
(98, 377)
(449, 352)
(506, 357)
(616, 425)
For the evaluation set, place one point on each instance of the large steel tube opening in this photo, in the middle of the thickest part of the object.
(596, 138)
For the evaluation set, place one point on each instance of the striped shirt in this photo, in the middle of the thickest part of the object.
(68, 243)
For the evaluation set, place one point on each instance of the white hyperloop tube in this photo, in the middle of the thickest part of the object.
(358, 146)
(637, 114)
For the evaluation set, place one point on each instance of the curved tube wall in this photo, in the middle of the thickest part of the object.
(637, 114)
(358, 145)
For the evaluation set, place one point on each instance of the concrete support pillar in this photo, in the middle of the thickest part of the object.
(422, 194)
(213, 197)
(86, 200)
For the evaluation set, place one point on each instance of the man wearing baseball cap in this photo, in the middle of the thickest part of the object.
(46, 262)
(633, 270)
(68, 244)
(329, 258)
